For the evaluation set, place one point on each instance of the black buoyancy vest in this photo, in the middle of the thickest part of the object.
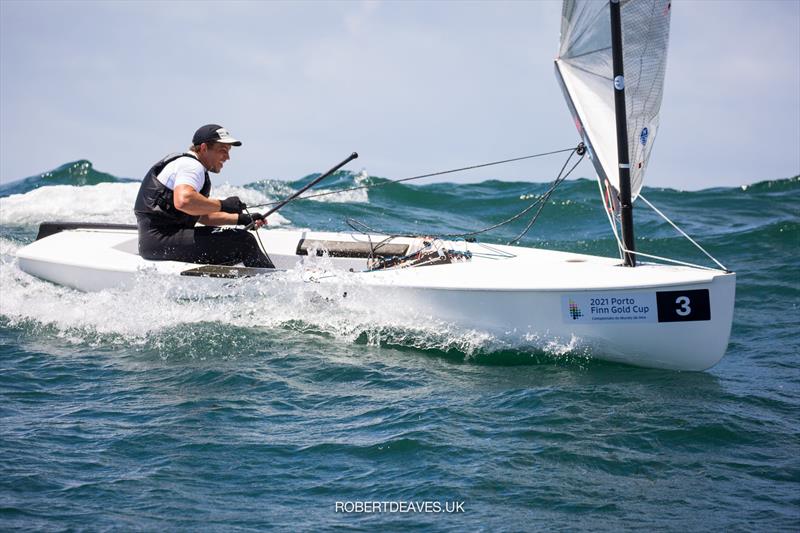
(155, 201)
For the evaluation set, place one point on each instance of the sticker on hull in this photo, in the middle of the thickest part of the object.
(582, 308)
(683, 306)
(645, 308)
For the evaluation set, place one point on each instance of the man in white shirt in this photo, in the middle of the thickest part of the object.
(175, 195)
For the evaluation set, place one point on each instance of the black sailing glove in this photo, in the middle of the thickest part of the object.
(232, 204)
(247, 219)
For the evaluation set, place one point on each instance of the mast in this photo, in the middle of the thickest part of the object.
(626, 206)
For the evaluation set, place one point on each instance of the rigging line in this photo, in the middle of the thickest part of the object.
(365, 229)
(654, 208)
(547, 195)
(372, 249)
(259, 238)
(674, 261)
(432, 174)
(539, 201)
(353, 222)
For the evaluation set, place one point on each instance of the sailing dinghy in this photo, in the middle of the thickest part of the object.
(664, 314)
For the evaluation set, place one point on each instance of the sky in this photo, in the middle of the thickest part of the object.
(413, 87)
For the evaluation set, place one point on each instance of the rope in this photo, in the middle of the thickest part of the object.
(263, 249)
(430, 175)
(372, 249)
(654, 208)
(546, 195)
(541, 201)
(668, 260)
(623, 250)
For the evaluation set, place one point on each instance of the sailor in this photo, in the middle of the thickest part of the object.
(174, 196)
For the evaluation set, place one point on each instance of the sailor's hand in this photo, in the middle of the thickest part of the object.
(251, 220)
(232, 204)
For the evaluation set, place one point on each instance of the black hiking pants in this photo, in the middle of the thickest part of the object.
(205, 245)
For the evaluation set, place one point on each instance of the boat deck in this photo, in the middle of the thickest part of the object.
(490, 267)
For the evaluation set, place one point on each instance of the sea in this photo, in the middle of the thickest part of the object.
(152, 410)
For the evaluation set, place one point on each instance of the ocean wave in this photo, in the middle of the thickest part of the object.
(104, 202)
(774, 186)
(343, 181)
(77, 173)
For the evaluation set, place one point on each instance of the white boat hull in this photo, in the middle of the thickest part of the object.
(653, 315)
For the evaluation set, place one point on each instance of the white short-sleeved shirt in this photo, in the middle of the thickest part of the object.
(183, 171)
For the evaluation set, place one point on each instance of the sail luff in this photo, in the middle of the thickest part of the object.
(586, 136)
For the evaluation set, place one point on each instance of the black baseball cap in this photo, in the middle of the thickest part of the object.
(213, 133)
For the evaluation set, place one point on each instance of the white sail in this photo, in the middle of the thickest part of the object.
(584, 68)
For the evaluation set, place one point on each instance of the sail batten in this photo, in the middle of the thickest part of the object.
(585, 71)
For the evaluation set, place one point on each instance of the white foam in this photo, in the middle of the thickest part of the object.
(358, 196)
(8, 250)
(161, 305)
(104, 202)
(281, 190)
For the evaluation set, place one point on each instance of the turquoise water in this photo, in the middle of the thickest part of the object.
(149, 409)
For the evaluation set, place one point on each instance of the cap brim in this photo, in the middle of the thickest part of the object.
(229, 140)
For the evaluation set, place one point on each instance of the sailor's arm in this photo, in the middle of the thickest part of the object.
(188, 200)
(193, 203)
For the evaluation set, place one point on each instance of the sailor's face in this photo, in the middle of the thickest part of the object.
(215, 156)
